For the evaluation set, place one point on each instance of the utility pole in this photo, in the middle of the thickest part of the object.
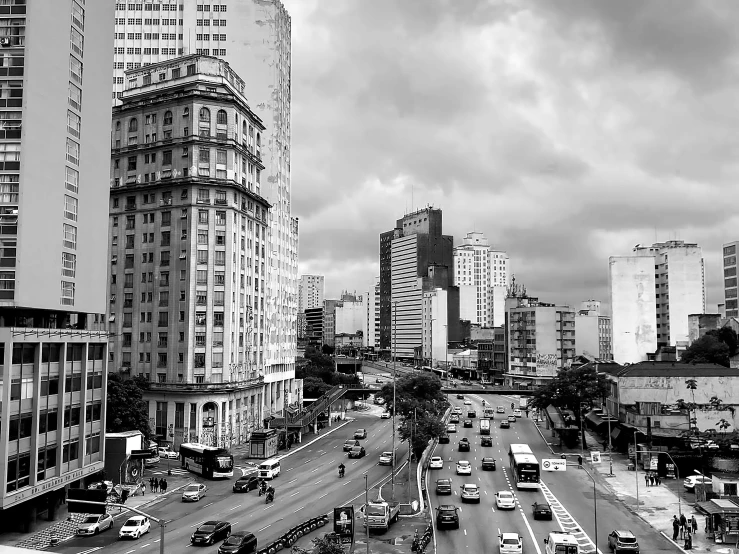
(366, 507)
(395, 355)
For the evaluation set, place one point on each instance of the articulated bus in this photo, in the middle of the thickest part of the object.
(211, 462)
(524, 466)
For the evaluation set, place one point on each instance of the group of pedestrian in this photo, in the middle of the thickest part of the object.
(652, 479)
(684, 528)
(158, 485)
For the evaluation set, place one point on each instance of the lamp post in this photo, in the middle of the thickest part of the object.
(395, 355)
(595, 508)
(446, 349)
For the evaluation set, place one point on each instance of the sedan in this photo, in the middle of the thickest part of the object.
(451, 428)
(467, 423)
(505, 500)
(470, 493)
(460, 397)
(378, 380)
(488, 464)
(443, 486)
(505, 424)
(457, 410)
(93, 524)
(444, 439)
(500, 410)
(454, 418)
(246, 483)
(464, 468)
(194, 492)
(357, 452)
(360, 434)
(386, 459)
(510, 543)
(512, 418)
(464, 445)
(542, 510)
(210, 532)
(349, 444)
(168, 454)
(436, 462)
(385, 415)
(486, 441)
(517, 413)
(693, 480)
(134, 527)
(468, 402)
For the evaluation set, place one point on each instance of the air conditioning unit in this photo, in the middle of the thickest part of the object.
(5, 42)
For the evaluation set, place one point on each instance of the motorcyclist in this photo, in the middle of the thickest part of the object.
(342, 468)
(262, 487)
(512, 405)
(270, 494)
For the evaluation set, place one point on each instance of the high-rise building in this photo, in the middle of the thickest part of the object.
(310, 292)
(371, 327)
(189, 285)
(652, 294)
(593, 331)
(730, 284)
(53, 344)
(482, 274)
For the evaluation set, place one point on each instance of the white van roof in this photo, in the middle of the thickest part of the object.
(563, 538)
(269, 462)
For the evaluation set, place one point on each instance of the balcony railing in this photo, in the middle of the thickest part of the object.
(201, 387)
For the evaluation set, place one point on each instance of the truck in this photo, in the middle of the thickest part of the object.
(523, 403)
(380, 514)
(484, 426)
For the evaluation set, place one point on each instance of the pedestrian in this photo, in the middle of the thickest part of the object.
(688, 540)
(675, 528)
(694, 524)
(659, 479)
(646, 478)
(156, 484)
(653, 479)
(151, 484)
(683, 525)
(164, 485)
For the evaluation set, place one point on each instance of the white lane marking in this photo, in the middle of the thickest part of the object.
(208, 504)
(291, 481)
(294, 494)
(465, 532)
(129, 552)
(318, 481)
(314, 470)
(196, 525)
(325, 495)
(290, 469)
(91, 550)
(263, 528)
(296, 511)
(238, 506)
(145, 545)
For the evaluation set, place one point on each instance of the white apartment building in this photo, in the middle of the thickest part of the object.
(435, 330)
(371, 325)
(254, 38)
(349, 316)
(310, 292)
(730, 308)
(482, 274)
(407, 297)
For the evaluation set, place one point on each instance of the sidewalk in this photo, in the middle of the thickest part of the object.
(657, 504)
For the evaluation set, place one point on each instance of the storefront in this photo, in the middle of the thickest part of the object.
(721, 520)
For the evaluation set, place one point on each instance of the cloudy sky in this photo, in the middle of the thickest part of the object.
(566, 131)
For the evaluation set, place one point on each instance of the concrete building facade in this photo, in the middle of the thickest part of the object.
(53, 344)
(310, 292)
(593, 331)
(371, 314)
(730, 277)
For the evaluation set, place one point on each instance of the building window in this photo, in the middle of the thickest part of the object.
(204, 115)
(70, 236)
(133, 125)
(67, 296)
(72, 180)
(221, 118)
(70, 208)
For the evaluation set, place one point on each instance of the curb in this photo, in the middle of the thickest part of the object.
(673, 542)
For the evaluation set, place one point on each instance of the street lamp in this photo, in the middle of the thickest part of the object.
(395, 408)
(595, 507)
(636, 471)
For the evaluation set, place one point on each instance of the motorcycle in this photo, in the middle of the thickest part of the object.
(262, 489)
(270, 497)
(341, 472)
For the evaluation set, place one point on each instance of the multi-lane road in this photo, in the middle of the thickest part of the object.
(570, 493)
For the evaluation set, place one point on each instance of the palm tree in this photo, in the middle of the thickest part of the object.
(723, 425)
(692, 384)
(715, 402)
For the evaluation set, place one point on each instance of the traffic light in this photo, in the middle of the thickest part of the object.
(92, 495)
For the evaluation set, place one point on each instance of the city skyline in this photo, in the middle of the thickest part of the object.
(560, 160)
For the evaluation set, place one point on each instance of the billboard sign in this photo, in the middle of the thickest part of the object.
(344, 524)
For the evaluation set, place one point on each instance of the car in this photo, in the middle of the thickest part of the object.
(488, 463)
(464, 445)
(360, 434)
(385, 415)
(93, 524)
(349, 444)
(470, 493)
(379, 401)
(447, 516)
(454, 418)
(505, 424)
(468, 423)
(357, 452)
(623, 541)
(460, 397)
(443, 486)
(512, 419)
(451, 428)
(378, 380)
(386, 459)
(436, 462)
(517, 413)
(246, 483)
(457, 410)
(240, 542)
(486, 441)
(693, 480)
(104, 485)
(194, 492)
(134, 527)
(510, 543)
(542, 510)
(464, 468)
(472, 414)
(504, 500)
(167, 454)
(444, 439)
(711, 445)
(210, 532)
(468, 402)
(500, 410)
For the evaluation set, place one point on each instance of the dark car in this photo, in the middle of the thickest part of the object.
(488, 464)
(241, 542)
(467, 423)
(505, 424)
(349, 444)
(623, 541)
(472, 413)
(542, 510)
(357, 452)
(444, 439)
(210, 532)
(460, 397)
(246, 483)
(486, 441)
(360, 434)
(378, 380)
(464, 445)
(454, 418)
(447, 516)
(443, 486)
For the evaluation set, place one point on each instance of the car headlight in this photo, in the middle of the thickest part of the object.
(192, 537)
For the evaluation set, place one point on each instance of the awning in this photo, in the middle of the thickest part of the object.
(615, 433)
(719, 506)
(594, 418)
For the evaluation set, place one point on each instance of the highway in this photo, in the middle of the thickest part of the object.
(307, 487)
(570, 493)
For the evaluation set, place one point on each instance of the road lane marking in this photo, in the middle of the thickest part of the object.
(208, 504)
(145, 545)
(465, 532)
(157, 540)
(290, 469)
(263, 528)
(294, 494)
(314, 470)
(296, 511)
(239, 506)
(318, 481)
(324, 496)
(129, 552)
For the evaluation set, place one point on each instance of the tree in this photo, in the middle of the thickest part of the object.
(691, 385)
(723, 425)
(126, 409)
(324, 545)
(416, 391)
(314, 387)
(727, 335)
(419, 431)
(707, 349)
(571, 388)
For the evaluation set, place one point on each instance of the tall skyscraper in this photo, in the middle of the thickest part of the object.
(730, 284)
(253, 36)
(652, 294)
(53, 348)
(482, 274)
(310, 292)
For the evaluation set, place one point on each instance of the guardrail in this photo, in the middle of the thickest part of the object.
(292, 535)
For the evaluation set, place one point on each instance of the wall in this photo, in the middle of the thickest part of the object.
(547, 362)
(686, 289)
(667, 390)
(349, 318)
(468, 303)
(633, 305)
(587, 335)
(407, 293)
(700, 324)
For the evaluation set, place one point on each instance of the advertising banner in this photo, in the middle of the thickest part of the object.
(344, 524)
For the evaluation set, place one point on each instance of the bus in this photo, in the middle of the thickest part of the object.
(209, 461)
(524, 466)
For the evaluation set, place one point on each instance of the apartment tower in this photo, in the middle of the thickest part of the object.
(310, 292)
(53, 344)
(730, 288)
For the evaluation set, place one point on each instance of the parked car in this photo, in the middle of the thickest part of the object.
(542, 510)
(94, 524)
(246, 483)
(510, 543)
(210, 532)
(504, 500)
(360, 434)
(447, 516)
(443, 486)
(488, 464)
(349, 444)
(194, 492)
(134, 527)
(486, 441)
(693, 480)
(436, 462)
(470, 493)
(357, 452)
(623, 541)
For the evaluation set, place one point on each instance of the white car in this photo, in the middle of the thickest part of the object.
(94, 523)
(457, 410)
(194, 492)
(451, 428)
(510, 543)
(166, 453)
(134, 527)
(517, 413)
(505, 500)
(470, 493)
(468, 402)
(386, 459)
(464, 468)
(500, 410)
(693, 480)
(436, 462)
(385, 415)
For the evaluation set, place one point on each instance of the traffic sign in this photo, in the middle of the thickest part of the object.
(554, 465)
(595, 456)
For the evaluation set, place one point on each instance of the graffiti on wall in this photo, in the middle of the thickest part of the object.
(645, 383)
(208, 436)
(546, 361)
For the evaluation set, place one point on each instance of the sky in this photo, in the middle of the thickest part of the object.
(566, 131)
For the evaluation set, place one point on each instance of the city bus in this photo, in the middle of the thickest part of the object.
(209, 461)
(524, 466)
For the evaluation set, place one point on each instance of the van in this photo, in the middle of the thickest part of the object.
(269, 469)
(561, 543)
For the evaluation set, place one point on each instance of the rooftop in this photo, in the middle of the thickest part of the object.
(667, 369)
